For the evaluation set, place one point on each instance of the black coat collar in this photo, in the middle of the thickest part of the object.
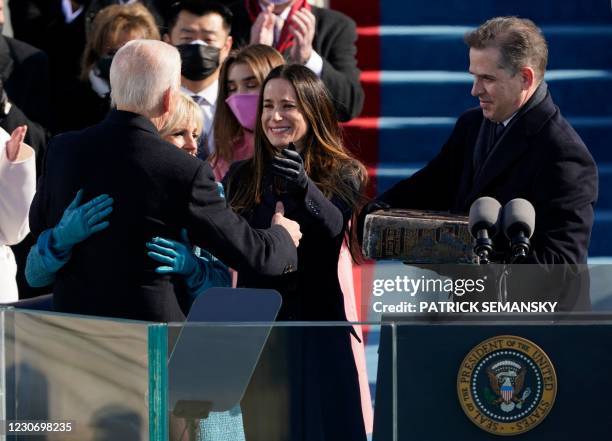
(6, 59)
(511, 147)
(123, 117)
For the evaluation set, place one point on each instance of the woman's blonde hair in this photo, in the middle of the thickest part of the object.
(109, 23)
(185, 113)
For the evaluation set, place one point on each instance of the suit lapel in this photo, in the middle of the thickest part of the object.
(467, 178)
(6, 60)
(512, 145)
(507, 150)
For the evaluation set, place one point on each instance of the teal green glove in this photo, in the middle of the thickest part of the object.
(177, 257)
(80, 222)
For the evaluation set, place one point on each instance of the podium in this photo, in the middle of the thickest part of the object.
(424, 362)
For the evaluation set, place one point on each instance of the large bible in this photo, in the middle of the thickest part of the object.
(418, 237)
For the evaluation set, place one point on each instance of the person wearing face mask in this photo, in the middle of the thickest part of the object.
(319, 38)
(242, 75)
(240, 81)
(200, 30)
(300, 161)
(88, 101)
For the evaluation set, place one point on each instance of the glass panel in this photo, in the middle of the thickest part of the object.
(277, 381)
(91, 372)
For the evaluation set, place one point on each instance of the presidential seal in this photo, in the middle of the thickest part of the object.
(507, 385)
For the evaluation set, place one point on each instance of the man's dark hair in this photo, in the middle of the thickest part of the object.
(519, 40)
(200, 8)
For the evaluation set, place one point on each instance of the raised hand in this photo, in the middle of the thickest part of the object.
(15, 143)
(81, 221)
(176, 257)
(303, 25)
(262, 31)
(290, 167)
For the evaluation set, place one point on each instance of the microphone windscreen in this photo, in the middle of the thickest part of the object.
(484, 214)
(518, 214)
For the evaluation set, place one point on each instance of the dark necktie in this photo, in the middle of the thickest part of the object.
(499, 129)
(483, 150)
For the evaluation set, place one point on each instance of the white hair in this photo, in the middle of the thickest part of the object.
(142, 70)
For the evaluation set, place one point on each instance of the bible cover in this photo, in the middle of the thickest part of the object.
(418, 237)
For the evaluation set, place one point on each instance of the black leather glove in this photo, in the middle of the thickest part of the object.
(290, 167)
(369, 208)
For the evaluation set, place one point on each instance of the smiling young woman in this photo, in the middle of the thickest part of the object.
(300, 161)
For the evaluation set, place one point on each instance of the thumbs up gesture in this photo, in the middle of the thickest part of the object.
(292, 227)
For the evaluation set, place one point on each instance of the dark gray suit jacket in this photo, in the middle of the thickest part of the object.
(540, 158)
(158, 189)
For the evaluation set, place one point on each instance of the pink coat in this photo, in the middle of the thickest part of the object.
(243, 149)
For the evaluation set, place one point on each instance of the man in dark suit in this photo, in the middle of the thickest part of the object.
(319, 38)
(157, 189)
(516, 145)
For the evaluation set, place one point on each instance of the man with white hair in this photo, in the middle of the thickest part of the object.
(157, 188)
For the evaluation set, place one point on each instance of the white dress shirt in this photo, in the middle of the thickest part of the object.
(69, 14)
(207, 100)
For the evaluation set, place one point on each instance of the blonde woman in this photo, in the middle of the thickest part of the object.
(184, 126)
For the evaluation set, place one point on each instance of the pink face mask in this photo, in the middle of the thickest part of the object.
(244, 107)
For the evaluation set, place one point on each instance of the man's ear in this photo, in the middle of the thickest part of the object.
(227, 47)
(168, 101)
(166, 38)
(527, 77)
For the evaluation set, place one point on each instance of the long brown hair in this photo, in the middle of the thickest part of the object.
(326, 161)
(227, 130)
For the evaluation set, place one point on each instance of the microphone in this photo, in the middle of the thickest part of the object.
(483, 224)
(518, 223)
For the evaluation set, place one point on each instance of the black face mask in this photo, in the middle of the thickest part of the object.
(103, 67)
(198, 61)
